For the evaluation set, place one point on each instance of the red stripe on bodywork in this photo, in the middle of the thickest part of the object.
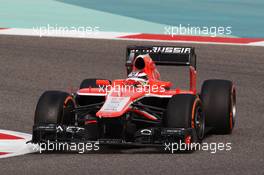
(90, 122)
(192, 38)
(9, 137)
(144, 114)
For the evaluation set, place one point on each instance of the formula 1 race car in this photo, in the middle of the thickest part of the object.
(140, 110)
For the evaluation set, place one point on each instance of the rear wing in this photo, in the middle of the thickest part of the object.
(163, 55)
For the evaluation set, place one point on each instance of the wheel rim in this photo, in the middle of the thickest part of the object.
(68, 106)
(233, 108)
(199, 123)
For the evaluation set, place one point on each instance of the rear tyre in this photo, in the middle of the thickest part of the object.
(185, 111)
(219, 101)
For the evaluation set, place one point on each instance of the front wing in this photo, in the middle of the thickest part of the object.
(148, 137)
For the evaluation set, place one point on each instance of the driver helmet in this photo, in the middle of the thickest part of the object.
(138, 76)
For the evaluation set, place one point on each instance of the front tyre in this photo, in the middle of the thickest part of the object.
(54, 108)
(186, 111)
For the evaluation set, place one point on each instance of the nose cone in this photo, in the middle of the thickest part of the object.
(118, 101)
(114, 107)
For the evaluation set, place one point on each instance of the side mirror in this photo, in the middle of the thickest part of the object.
(103, 82)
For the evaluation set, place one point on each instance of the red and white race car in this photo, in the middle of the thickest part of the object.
(140, 109)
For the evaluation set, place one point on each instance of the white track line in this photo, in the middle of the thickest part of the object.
(106, 35)
(15, 147)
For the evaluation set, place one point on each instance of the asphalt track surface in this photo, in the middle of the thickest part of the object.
(31, 65)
